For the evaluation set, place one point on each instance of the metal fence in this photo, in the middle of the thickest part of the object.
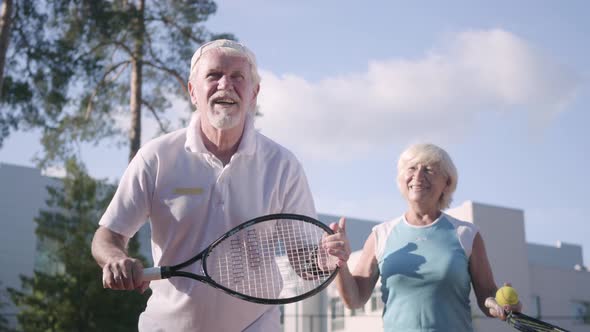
(327, 322)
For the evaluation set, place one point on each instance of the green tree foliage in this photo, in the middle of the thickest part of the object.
(66, 292)
(16, 96)
(5, 26)
(76, 67)
(3, 307)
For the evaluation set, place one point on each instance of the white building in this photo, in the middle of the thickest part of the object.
(551, 280)
(22, 196)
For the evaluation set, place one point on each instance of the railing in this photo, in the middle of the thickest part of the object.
(338, 323)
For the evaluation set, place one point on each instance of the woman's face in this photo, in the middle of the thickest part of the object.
(423, 183)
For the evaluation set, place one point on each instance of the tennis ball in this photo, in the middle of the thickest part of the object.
(506, 296)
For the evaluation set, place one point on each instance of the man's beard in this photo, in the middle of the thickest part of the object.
(224, 119)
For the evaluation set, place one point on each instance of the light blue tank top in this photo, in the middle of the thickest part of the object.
(425, 281)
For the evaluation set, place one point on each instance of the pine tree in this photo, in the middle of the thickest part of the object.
(66, 293)
(17, 103)
(5, 25)
(77, 66)
(3, 306)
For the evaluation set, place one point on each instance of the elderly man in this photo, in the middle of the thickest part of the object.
(195, 184)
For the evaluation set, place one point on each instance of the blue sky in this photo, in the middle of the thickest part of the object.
(502, 85)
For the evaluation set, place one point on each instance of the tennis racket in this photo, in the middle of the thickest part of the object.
(526, 323)
(273, 259)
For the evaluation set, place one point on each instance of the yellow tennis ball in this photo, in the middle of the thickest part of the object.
(506, 296)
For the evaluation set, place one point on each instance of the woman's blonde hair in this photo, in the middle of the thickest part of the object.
(431, 154)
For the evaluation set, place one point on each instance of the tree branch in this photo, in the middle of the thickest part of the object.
(172, 72)
(5, 23)
(187, 34)
(151, 50)
(105, 81)
(155, 114)
(92, 50)
(123, 46)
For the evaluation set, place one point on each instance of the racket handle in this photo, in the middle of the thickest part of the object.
(152, 273)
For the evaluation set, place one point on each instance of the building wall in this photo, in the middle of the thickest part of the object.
(558, 292)
(503, 232)
(550, 279)
(561, 255)
(22, 196)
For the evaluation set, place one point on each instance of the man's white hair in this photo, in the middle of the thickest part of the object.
(431, 154)
(231, 47)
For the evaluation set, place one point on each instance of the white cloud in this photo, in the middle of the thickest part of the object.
(424, 98)
(54, 171)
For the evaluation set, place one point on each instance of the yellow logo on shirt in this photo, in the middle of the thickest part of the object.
(188, 191)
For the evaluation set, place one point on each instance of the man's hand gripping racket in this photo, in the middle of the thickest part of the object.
(273, 259)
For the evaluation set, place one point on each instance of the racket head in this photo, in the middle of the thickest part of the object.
(526, 323)
(272, 259)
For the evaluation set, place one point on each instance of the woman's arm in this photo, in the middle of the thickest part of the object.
(482, 277)
(483, 282)
(356, 287)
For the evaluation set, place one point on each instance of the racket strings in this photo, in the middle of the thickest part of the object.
(237, 265)
(254, 257)
(272, 260)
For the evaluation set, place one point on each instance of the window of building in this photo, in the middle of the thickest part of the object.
(581, 311)
(360, 311)
(535, 309)
(376, 302)
(357, 312)
(337, 313)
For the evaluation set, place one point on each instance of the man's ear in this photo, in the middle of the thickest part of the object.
(254, 102)
(191, 88)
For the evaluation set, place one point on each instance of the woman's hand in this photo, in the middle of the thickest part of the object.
(501, 312)
(337, 244)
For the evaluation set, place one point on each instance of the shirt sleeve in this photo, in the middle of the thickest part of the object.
(131, 205)
(466, 233)
(298, 198)
(382, 232)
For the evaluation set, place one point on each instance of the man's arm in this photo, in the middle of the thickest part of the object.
(119, 271)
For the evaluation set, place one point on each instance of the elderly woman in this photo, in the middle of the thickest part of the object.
(427, 260)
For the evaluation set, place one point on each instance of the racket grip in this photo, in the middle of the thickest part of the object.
(152, 273)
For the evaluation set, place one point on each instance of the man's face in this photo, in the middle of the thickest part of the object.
(223, 89)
